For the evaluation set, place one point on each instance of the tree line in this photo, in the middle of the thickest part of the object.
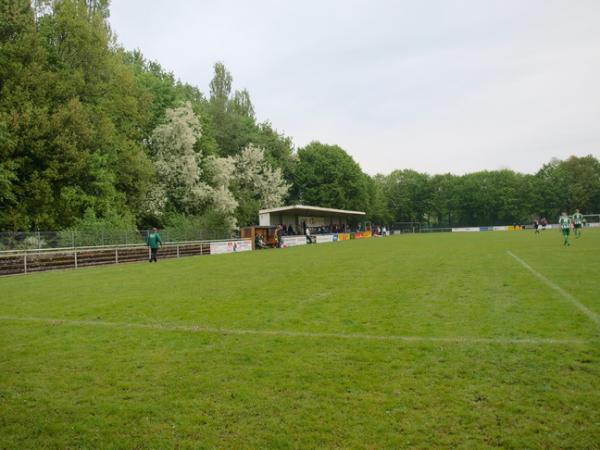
(91, 133)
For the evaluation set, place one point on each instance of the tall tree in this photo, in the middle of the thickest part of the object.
(326, 175)
(71, 114)
(232, 117)
(178, 165)
(257, 184)
(408, 195)
(570, 184)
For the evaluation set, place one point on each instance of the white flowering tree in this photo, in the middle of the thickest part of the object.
(254, 173)
(220, 172)
(183, 186)
(221, 187)
(257, 183)
(177, 163)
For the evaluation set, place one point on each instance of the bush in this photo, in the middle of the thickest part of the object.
(91, 231)
(192, 228)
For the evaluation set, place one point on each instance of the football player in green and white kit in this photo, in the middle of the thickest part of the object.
(577, 223)
(565, 227)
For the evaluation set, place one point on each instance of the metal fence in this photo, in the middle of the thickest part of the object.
(405, 227)
(31, 240)
(13, 262)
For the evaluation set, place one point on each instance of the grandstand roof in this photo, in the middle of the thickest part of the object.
(304, 209)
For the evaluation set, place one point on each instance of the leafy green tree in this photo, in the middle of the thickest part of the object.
(379, 211)
(326, 175)
(71, 117)
(232, 116)
(445, 200)
(241, 105)
(408, 195)
(278, 148)
(570, 184)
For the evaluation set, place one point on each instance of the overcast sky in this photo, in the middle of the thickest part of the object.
(435, 86)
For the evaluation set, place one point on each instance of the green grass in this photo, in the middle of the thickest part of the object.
(75, 371)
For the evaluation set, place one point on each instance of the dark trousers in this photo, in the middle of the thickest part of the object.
(153, 252)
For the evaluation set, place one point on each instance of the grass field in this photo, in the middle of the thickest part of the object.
(451, 340)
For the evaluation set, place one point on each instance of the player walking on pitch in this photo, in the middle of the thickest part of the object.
(536, 226)
(565, 226)
(577, 223)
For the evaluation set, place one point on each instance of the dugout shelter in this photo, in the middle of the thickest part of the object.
(267, 233)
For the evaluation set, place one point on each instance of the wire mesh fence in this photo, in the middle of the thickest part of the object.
(31, 240)
(405, 227)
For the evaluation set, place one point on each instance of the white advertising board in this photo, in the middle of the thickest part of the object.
(465, 230)
(292, 241)
(322, 238)
(218, 248)
(500, 228)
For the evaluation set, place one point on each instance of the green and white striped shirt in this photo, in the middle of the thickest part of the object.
(564, 222)
(578, 218)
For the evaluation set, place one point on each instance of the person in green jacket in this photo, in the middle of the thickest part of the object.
(154, 243)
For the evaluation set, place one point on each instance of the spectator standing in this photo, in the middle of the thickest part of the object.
(154, 242)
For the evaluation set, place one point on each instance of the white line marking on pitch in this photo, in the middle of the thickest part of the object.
(584, 309)
(284, 333)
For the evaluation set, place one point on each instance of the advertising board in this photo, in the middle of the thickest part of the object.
(322, 238)
(292, 241)
(218, 248)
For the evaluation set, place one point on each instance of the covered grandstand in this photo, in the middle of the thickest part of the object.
(299, 217)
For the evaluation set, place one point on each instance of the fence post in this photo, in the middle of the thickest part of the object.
(25, 263)
(178, 251)
(75, 254)
(116, 256)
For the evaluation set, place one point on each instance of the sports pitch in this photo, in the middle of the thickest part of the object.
(447, 340)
